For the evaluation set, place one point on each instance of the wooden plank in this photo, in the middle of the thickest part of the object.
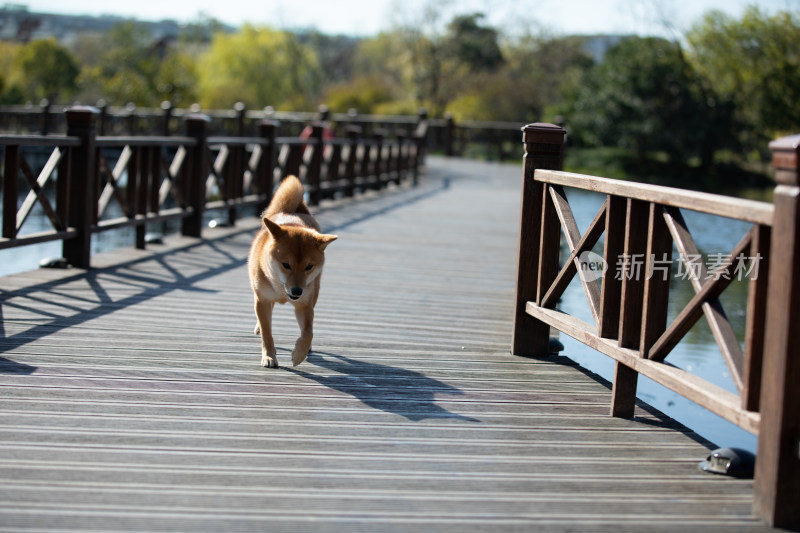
(528, 337)
(572, 263)
(614, 247)
(698, 390)
(629, 268)
(694, 310)
(573, 238)
(632, 273)
(549, 245)
(756, 318)
(720, 326)
(658, 261)
(714, 204)
(777, 484)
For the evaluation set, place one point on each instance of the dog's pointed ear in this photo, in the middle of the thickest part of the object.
(324, 239)
(273, 228)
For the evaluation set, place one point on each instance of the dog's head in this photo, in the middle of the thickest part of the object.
(296, 254)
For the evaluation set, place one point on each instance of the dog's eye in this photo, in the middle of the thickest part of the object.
(287, 266)
(309, 267)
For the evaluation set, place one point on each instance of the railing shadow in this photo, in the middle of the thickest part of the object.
(391, 389)
(56, 305)
(52, 306)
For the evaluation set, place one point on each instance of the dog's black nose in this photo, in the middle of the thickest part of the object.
(296, 292)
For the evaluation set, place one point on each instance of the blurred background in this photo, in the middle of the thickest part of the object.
(644, 88)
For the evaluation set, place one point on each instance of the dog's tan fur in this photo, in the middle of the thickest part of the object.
(285, 264)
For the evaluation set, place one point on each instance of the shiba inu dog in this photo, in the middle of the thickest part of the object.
(284, 265)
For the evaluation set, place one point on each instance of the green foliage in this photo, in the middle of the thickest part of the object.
(10, 92)
(176, 79)
(644, 96)
(48, 70)
(443, 66)
(473, 45)
(730, 91)
(526, 84)
(363, 94)
(260, 67)
(754, 63)
(124, 66)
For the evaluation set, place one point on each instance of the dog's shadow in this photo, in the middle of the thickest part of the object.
(387, 388)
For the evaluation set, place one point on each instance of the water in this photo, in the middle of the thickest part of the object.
(24, 258)
(697, 352)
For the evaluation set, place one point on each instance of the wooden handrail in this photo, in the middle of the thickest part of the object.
(162, 177)
(713, 204)
(629, 306)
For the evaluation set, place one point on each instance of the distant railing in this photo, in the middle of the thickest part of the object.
(629, 304)
(469, 138)
(158, 178)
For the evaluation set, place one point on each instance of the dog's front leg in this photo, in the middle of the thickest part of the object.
(305, 319)
(264, 315)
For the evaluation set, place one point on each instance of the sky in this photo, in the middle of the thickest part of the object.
(667, 18)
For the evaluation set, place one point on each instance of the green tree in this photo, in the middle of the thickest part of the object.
(10, 91)
(258, 66)
(443, 65)
(48, 69)
(527, 84)
(363, 94)
(755, 64)
(474, 46)
(644, 96)
(176, 79)
(124, 67)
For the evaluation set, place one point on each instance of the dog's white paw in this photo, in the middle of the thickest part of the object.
(269, 362)
(257, 329)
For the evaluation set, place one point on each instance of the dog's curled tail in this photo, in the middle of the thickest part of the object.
(288, 198)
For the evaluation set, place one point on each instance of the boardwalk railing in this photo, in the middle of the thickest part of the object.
(87, 183)
(473, 138)
(628, 300)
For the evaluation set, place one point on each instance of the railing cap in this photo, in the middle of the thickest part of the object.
(785, 159)
(543, 132)
(197, 117)
(78, 110)
(545, 127)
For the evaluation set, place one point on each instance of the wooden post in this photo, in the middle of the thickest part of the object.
(131, 118)
(102, 119)
(241, 113)
(11, 190)
(421, 137)
(631, 268)
(194, 187)
(315, 166)
(402, 160)
(82, 186)
(353, 133)
(449, 135)
(47, 116)
(266, 168)
(544, 145)
(377, 166)
(140, 191)
(776, 494)
(166, 118)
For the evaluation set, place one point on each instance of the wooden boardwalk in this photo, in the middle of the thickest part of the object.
(131, 397)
